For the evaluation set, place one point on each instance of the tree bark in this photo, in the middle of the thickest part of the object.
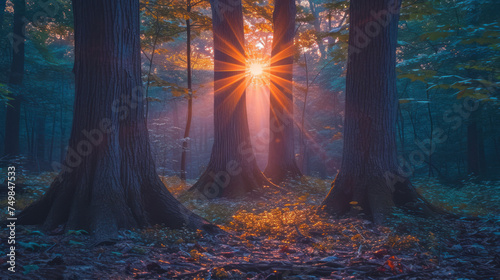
(369, 178)
(190, 96)
(3, 3)
(40, 140)
(62, 127)
(177, 153)
(13, 112)
(108, 180)
(232, 170)
(302, 135)
(431, 124)
(476, 160)
(281, 161)
(52, 137)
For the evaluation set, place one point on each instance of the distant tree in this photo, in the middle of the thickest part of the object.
(481, 15)
(189, 22)
(281, 161)
(13, 114)
(108, 180)
(232, 170)
(171, 15)
(448, 53)
(316, 9)
(190, 97)
(369, 178)
(2, 11)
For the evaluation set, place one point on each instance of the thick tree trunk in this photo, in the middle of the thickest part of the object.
(108, 180)
(232, 170)
(368, 180)
(281, 162)
(13, 112)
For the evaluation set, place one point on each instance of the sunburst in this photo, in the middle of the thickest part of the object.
(257, 71)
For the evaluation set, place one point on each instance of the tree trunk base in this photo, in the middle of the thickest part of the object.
(375, 196)
(141, 202)
(277, 175)
(243, 184)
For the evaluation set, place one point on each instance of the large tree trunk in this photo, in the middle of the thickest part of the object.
(108, 180)
(232, 170)
(13, 112)
(281, 162)
(369, 179)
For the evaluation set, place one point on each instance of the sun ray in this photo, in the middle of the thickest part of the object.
(283, 54)
(236, 52)
(256, 69)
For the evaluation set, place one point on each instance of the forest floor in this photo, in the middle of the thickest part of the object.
(276, 237)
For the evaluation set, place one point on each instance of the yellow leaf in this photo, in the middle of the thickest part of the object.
(479, 96)
(337, 136)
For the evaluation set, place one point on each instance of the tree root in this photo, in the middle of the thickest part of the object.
(374, 196)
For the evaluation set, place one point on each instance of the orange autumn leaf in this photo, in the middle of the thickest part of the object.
(390, 263)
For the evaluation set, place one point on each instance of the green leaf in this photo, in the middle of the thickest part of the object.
(77, 232)
(152, 99)
(436, 86)
(28, 245)
(177, 91)
(433, 36)
(406, 100)
(421, 75)
(32, 245)
(29, 268)
(75, 243)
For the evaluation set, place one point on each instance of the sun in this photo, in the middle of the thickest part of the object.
(256, 69)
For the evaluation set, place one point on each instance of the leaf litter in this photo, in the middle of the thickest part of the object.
(274, 237)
